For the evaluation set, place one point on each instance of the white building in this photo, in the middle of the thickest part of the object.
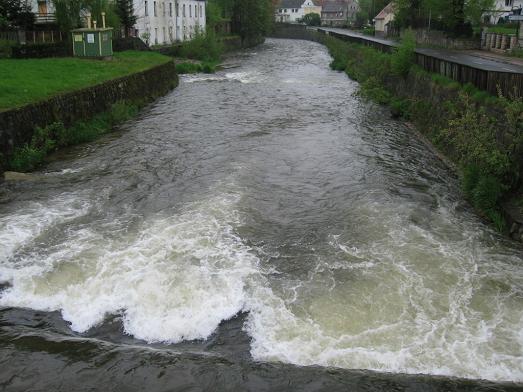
(166, 21)
(44, 11)
(293, 11)
(501, 9)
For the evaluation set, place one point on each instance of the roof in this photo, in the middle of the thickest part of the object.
(293, 3)
(335, 5)
(389, 9)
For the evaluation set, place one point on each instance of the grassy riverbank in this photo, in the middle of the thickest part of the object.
(55, 136)
(482, 134)
(31, 80)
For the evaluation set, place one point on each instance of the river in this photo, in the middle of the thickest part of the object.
(263, 227)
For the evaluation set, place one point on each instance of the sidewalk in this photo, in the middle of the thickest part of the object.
(482, 60)
(485, 54)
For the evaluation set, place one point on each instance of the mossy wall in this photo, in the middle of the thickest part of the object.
(17, 125)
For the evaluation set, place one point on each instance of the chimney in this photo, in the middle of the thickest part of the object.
(103, 20)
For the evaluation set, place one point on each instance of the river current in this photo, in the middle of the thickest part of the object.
(261, 217)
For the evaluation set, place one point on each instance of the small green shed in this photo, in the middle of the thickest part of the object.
(93, 42)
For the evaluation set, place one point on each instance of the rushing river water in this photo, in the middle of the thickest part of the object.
(272, 196)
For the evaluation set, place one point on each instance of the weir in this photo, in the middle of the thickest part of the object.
(274, 192)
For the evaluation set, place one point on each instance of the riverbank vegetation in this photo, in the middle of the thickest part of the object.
(482, 134)
(55, 136)
(32, 80)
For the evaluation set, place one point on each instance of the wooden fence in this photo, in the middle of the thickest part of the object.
(33, 37)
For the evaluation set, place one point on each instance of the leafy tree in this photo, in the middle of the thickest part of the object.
(69, 12)
(250, 19)
(312, 19)
(453, 16)
(16, 13)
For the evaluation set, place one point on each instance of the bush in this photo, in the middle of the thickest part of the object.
(404, 56)
(48, 139)
(188, 68)
(6, 48)
(312, 19)
(204, 47)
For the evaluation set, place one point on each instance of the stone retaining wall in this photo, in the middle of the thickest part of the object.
(17, 125)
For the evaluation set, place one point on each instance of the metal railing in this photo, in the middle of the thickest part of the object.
(47, 18)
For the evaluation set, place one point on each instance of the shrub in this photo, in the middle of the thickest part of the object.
(404, 56)
(188, 68)
(6, 48)
(204, 47)
(312, 19)
(46, 140)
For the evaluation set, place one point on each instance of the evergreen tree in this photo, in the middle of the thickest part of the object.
(125, 11)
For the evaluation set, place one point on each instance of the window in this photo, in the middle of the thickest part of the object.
(195, 11)
(177, 9)
(156, 35)
(170, 9)
(190, 10)
(146, 9)
(154, 8)
(183, 9)
(163, 9)
(201, 12)
(508, 3)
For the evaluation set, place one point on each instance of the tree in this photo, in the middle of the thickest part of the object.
(125, 11)
(69, 13)
(312, 19)
(16, 13)
(250, 19)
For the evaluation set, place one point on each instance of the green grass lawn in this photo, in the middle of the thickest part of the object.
(31, 80)
(501, 29)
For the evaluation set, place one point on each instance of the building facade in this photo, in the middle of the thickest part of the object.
(44, 12)
(382, 21)
(293, 11)
(338, 12)
(166, 21)
(501, 9)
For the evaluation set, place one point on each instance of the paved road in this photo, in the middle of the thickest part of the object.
(444, 54)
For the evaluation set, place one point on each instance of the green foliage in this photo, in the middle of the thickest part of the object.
(16, 14)
(339, 53)
(45, 140)
(125, 11)
(368, 9)
(404, 56)
(400, 108)
(68, 12)
(191, 68)
(312, 19)
(252, 19)
(204, 46)
(485, 192)
(503, 29)
(368, 30)
(32, 80)
(481, 133)
(6, 48)
(372, 88)
(456, 17)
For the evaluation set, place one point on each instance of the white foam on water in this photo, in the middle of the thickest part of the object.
(407, 300)
(175, 278)
(242, 77)
(31, 219)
